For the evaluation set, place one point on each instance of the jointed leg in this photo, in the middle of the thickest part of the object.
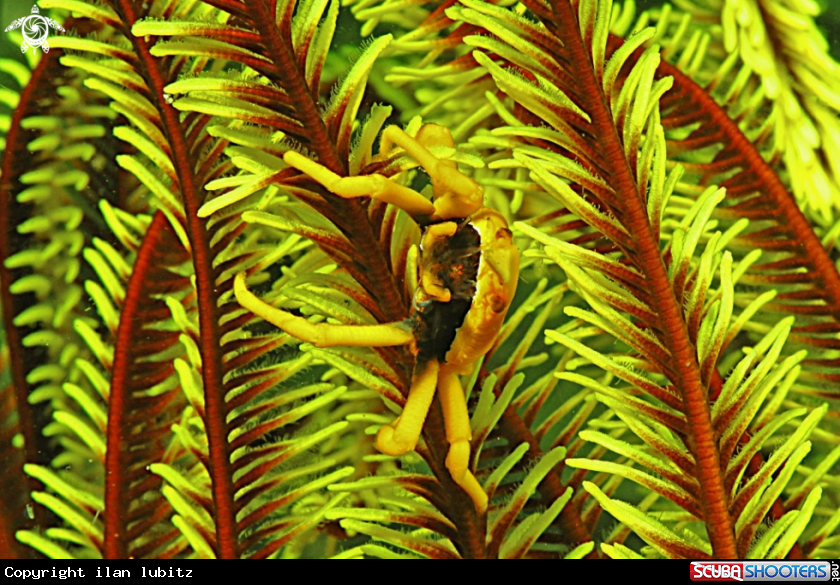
(401, 437)
(458, 433)
(322, 334)
(373, 186)
(429, 135)
(456, 195)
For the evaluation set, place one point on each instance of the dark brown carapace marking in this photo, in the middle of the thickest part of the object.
(456, 266)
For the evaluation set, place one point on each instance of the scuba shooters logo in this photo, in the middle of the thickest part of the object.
(35, 29)
(765, 571)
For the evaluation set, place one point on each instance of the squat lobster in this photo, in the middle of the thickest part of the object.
(468, 272)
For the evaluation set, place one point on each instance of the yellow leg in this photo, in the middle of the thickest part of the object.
(429, 135)
(458, 433)
(456, 195)
(322, 334)
(373, 186)
(403, 435)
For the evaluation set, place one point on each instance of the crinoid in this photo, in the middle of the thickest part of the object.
(580, 301)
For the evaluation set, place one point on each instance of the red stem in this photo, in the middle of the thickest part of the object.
(125, 453)
(646, 256)
(34, 449)
(212, 363)
(350, 216)
(824, 273)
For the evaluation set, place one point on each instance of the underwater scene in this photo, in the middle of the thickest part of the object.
(410, 279)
